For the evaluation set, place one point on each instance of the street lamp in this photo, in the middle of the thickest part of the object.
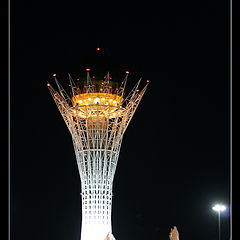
(219, 208)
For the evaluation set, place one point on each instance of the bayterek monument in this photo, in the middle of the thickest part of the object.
(97, 111)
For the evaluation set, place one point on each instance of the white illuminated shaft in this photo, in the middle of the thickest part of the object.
(97, 164)
(97, 121)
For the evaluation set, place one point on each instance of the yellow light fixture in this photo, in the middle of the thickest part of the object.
(99, 104)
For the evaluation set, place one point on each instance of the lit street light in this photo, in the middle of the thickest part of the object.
(219, 208)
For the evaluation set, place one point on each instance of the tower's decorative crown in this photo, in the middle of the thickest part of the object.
(97, 99)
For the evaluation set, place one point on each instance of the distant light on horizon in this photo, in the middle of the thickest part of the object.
(219, 208)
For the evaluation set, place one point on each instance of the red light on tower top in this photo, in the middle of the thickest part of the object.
(127, 72)
(88, 69)
(54, 75)
(98, 48)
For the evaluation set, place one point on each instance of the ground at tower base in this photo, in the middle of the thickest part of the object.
(173, 235)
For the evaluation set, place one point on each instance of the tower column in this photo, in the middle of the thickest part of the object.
(96, 211)
(97, 167)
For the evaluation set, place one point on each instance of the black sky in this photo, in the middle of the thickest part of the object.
(175, 156)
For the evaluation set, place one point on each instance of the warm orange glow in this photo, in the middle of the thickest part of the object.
(102, 98)
(87, 69)
(99, 104)
(127, 72)
(148, 81)
(54, 75)
(48, 85)
(98, 49)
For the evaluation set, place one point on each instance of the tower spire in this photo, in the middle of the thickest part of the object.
(75, 89)
(105, 87)
(62, 92)
(121, 89)
(90, 86)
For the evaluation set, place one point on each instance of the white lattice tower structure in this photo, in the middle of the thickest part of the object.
(97, 116)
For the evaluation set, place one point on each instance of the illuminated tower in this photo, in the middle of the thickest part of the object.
(97, 115)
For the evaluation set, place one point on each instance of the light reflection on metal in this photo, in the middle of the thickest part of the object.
(97, 117)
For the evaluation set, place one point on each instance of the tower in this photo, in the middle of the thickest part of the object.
(97, 115)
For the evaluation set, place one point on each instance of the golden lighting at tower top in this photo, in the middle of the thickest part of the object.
(97, 98)
(99, 104)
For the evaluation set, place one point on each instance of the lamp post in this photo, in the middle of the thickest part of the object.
(219, 208)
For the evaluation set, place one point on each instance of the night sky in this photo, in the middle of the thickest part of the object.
(174, 161)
